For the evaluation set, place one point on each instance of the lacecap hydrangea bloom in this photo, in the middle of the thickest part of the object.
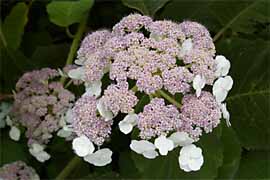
(18, 170)
(40, 102)
(159, 59)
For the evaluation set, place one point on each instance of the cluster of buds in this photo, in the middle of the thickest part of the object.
(18, 170)
(162, 60)
(40, 102)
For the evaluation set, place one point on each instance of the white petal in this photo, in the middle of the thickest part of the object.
(181, 139)
(198, 84)
(64, 133)
(150, 154)
(141, 146)
(223, 66)
(190, 158)
(82, 146)
(131, 118)
(156, 37)
(125, 127)
(228, 83)
(186, 47)
(101, 157)
(79, 61)
(36, 148)
(220, 94)
(42, 156)
(104, 111)
(164, 145)
(93, 89)
(77, 73)
(196, 164)
(9, 121)
(14, 133)
(69, 116)
(225, 114)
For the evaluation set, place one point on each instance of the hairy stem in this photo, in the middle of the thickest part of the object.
(68, 169)
(75, 44)
(169, 98)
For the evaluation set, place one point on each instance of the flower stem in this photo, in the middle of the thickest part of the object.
(68, 169)
(75, 43)
(169, 98)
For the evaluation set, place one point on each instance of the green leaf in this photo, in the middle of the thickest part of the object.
(254, 165)
(231, 153)
(147, 7)
(13, 26)
(167, 167)
(11, 150)
(249, 99)
(240, 16)
(65, 13)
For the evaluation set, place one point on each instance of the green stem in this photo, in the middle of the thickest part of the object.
(169, 98)
(68, 169)
(75, 44)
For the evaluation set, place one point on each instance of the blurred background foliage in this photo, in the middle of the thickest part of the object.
(36, 34)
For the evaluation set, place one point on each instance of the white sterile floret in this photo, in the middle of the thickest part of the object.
(181, 139)
(4, 110)
(146, 148)
(101, 157)
(164, 145)
(221, 88)
(93, 89)
(80, 61)
(38, 152)
(198, 84)
(127, 124)
(9, 121)
(223, 66)
(14, 133)
(64, 132)
(77, 73)
(186, 47)
(82, 146)
(104, 111)
(225, 114)
(190, 158)
(156, 37)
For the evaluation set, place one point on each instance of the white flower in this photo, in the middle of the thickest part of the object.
(104, 111)
(225, 114)
(164, 145)
(82, 146)
(64, 132)
(80, 61)
(101, 157)
(38, 152)
(93, 89)
(222, 66)
(9, 121)
(198, 84)
(77, 73)
(186, 47)
(4, 110)
(14, 133)
(190, 158)
(181, 139)
(156, 37)
(146, 148)
(221, 88)
(127, 124)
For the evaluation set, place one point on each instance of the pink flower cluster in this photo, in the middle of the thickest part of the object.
(119, 99)
(199, 113)
(148, 51)
(155, 55)
(18, 170)
(39, 103)
(158, 119)
(87, 122)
